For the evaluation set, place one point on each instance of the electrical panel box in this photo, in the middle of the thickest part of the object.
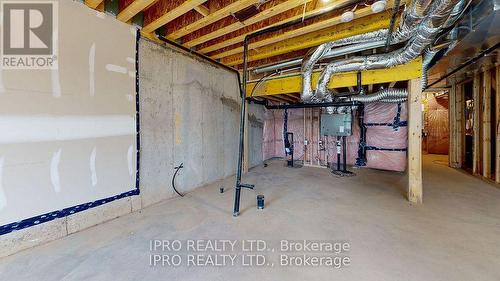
(336, 125)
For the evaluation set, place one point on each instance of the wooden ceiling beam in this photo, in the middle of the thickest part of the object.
(294, 97)
(275, 98)
(93, 3)
(380, 20)
(286, 98)
(307, 37)
(290, 4)
(240, 38)
(211, 18)
(291, 84)
(204, 11)
(172, 14)
(133, 9)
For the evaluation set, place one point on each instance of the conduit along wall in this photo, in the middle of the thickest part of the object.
(68, 135)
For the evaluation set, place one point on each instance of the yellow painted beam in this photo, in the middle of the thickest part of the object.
(211, 18)
(290, 4)
(133, 9)
(308, 36)
(93, 3)
(239, 39)
(293, 83)
(172, 14)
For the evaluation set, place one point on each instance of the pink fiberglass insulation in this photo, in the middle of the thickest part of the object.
(273, 144)
(386, 137)
(377, 136)
(436, 124)
(268, 146)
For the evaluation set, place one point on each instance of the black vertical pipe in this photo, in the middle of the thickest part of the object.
(338, 153)
(137, 114)
(344, 153)
(237, 194)
(395, 10)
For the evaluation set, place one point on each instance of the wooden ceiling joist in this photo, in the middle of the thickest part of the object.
(290, 4)
(276, 99)
(133, 9)
(307, 37)
(211, 18)
(204, 11)
(93, 3)
(240, 38)
(172, 14)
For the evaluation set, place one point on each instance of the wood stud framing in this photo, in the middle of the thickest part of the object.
(497, 133)
(486, 124)
(476, 165)
(415, 141)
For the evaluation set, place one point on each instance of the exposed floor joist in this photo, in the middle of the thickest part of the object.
(133, 9)
(238, 25)
(211, 18)
(204, 11)
(93, 3)
(308, 36)
(172, 14)
(240, 38)
(292, 83)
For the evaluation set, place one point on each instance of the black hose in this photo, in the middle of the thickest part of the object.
(173, 178)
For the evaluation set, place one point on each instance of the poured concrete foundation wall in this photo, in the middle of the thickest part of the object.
(255, 134)
(190, 114)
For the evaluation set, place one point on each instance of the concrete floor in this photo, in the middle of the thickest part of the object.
(454, 235)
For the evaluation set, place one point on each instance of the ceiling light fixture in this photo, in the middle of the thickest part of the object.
(378, 6)
(347, 16)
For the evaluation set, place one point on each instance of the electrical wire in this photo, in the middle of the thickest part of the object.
(173, 179)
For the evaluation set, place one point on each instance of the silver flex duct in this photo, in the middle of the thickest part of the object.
(423, 36)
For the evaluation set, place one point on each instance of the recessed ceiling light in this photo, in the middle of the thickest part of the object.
(325, 1)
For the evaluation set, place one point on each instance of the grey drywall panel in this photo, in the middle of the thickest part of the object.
(68, 135)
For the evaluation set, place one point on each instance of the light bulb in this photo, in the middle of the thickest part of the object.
(347, 16)
(378, 6)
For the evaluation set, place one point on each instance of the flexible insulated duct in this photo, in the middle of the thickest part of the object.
(387, 95)
(423, 37)
(412, 16)
(322, 51)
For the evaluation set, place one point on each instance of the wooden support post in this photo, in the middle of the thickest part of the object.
(486, 124)
(497, 100)
(415, 141)
(476, 152)
(460, 124)
(452, 120)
